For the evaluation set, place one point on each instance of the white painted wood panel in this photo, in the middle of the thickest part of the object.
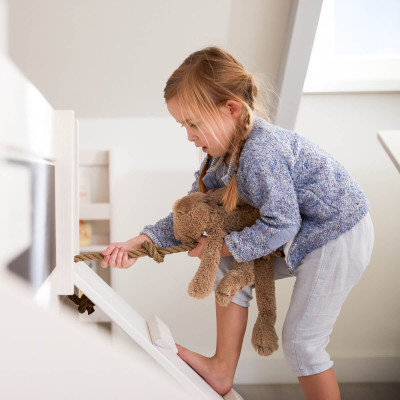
(67, 227)
(390, 141)
(136, 327)
(301, 31)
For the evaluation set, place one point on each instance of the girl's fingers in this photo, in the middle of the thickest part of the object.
(108, 250)
(104, 262)
(119, 258)
(113, 257)
(192, 253)
(125, 260)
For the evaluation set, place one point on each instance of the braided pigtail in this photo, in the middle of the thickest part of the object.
(231, 195)
(200, 183)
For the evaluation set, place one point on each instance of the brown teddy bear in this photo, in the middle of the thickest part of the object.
(199, 213)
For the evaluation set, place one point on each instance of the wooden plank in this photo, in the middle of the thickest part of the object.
(67, 218)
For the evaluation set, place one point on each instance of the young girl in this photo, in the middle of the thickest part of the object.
(309, 207)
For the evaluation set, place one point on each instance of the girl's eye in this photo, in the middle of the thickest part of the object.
(193, 126)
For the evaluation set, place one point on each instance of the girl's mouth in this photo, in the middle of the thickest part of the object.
(204, 149)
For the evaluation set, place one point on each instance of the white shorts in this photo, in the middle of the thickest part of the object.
(324, 278)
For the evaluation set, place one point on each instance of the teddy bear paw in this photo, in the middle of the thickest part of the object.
(226, 291)
(222, 298)
(264, 338)
(198, 291)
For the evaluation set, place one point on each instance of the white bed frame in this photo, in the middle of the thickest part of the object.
(31, 129)
(69, 274)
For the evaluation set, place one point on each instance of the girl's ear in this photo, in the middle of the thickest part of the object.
(234, 108)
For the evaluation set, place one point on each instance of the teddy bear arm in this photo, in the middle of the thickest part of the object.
(264, 283)
(203, 281)
(264, 337)
(241, 276)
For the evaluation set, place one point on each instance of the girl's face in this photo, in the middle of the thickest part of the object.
(205, 133)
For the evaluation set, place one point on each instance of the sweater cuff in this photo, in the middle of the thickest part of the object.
(151, 235)
(233, 250)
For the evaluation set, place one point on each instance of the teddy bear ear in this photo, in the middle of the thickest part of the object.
(187, 203)
(214, 196)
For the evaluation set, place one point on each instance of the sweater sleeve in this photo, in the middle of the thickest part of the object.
(267, 185)
(162, 233)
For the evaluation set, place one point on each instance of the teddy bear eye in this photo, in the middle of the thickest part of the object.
(205, 233)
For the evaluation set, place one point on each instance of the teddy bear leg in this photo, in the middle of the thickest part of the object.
(242, 275)
(264, 337)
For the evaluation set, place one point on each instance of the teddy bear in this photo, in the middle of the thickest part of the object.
(203, 213)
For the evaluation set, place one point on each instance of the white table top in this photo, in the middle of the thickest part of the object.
(390, 141)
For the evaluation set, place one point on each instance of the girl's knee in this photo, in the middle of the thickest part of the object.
(306, 357)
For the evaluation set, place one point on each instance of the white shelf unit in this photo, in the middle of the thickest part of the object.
(94, 208)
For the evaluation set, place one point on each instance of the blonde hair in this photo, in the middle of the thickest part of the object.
(207, 79)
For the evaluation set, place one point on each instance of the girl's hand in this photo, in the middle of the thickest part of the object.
(199, 249)
(115, 255)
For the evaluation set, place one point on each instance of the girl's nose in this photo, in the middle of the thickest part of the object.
(191, 138)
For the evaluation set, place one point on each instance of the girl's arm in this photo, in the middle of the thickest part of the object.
(225, 251)
(265, 179)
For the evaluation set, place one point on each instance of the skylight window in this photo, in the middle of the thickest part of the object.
(356, 48)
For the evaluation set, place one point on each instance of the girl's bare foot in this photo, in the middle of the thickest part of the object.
(215, 372)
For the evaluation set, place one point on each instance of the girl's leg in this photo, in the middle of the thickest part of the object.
(320, 386)
(324, 278)
(218, 371)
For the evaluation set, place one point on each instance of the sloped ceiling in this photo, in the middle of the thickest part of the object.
(111, 58)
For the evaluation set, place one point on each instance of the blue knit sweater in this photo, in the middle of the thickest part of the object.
(305, 197)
